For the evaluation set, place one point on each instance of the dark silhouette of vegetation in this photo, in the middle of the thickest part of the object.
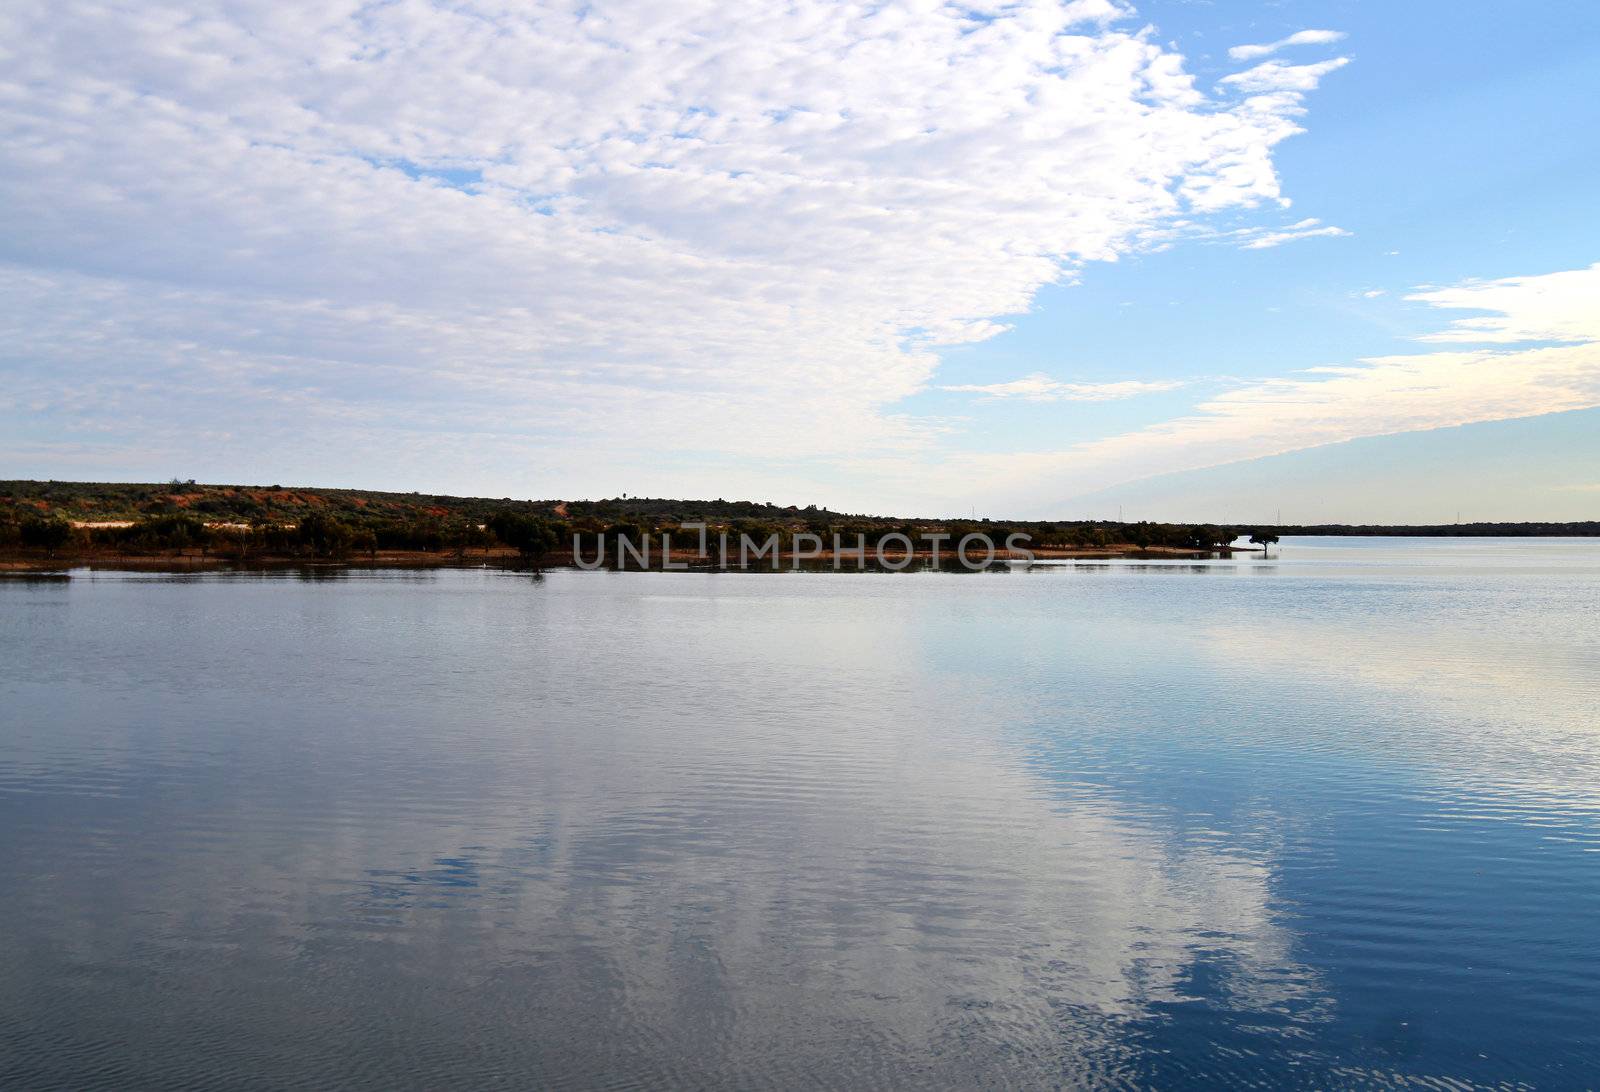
(260, 523)
(324, 536)
(49, 535)
(1264, 539)
(530, 536)
(178, 532)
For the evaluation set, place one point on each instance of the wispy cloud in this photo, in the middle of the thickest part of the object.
(1264, 238)
(1041, 388)
(1277, 76)
(1302, 37)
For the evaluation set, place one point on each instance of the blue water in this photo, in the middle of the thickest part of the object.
(1330, 818)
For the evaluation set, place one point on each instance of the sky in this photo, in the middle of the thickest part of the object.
(1317, 260)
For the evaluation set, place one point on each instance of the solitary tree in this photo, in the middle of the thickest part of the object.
(1263, 539)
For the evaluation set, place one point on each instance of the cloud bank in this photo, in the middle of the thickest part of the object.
(549, 245)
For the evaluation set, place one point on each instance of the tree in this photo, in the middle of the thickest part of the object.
(1205, 536)
(177, 531)
(48, 535)
(1263, 539)
(323, 535)
(459, 535)
(233, 542)
(528, 535)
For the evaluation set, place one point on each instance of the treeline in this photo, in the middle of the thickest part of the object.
(315, 536)
(258, 521)
(850, 530)
(249, 504)
(321, 535)
(100, 501)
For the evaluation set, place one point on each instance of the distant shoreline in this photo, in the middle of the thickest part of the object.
(510, 560)
(184, 526)
(110, 505)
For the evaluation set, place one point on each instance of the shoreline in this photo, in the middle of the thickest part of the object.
(511, 560)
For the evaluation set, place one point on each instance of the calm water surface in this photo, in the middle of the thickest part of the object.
(1327, 819)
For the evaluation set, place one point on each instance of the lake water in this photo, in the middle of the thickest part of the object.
(1331, 818)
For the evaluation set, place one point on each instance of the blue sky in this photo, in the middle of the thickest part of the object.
(1453, 147)
(1044, 262)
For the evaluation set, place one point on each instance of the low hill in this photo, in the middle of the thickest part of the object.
(95, 502)
(277, 505)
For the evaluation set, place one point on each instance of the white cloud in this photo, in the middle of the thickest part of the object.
(1498, 378)
(1262, 239)
(1559, 307)
(1277, 76)
(1303, 37)
(540, 236)
(1041, 388)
